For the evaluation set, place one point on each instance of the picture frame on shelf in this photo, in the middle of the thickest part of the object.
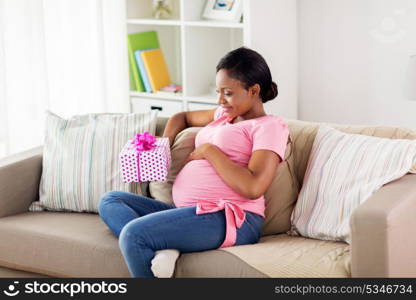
(223, 10)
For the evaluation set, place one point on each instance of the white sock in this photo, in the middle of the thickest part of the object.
(163, 264)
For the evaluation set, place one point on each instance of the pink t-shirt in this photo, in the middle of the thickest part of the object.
(199, 182)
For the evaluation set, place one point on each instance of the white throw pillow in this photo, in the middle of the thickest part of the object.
(343, 171)
(80, 158)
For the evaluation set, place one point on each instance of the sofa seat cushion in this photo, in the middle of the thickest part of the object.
(273, 256)
(214, 264)
(63, 244)
(60, 244)
(11, 273)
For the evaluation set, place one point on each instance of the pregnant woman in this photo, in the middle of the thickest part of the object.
(218, 194)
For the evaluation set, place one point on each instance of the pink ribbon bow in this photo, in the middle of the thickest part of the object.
(144, 141)
(234, 217)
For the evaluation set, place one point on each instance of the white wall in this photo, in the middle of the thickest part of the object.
(353, 59)
(273, 33)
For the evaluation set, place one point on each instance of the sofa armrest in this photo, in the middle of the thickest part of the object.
(383, 240)
(19, 181)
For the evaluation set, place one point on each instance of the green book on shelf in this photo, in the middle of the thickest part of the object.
(139, 41)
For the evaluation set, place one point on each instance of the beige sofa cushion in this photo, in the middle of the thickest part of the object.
(273, 256)
(281, 196)
(214, 264)
(11, 273)
(286, 256)
(60, 244)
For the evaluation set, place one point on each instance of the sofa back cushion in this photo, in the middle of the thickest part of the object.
(80, 159)
(281, 196)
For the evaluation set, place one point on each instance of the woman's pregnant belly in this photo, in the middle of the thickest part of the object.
(198, 180)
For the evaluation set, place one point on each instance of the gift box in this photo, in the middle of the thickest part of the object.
(141, 160)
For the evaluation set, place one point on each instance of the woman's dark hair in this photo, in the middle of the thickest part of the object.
(249, 67)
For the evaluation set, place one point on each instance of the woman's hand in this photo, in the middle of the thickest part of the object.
(200, 152)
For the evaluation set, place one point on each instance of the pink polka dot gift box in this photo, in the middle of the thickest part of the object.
(145, 158)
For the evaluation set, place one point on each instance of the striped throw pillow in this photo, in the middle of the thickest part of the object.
(343, 171)
(80, 158)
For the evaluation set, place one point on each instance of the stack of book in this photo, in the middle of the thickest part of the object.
(148, 69)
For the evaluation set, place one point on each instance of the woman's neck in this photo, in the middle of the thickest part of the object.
(256, 112)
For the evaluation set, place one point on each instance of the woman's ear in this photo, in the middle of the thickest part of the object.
(255, 90)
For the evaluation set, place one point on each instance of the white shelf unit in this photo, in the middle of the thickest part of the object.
(192, 48)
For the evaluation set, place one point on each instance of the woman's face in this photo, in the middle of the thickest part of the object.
(232, 96)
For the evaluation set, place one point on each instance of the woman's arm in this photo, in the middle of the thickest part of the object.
(182, 120)
(175, 124)
(251, 181)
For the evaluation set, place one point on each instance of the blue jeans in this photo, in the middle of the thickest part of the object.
(145, 225)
